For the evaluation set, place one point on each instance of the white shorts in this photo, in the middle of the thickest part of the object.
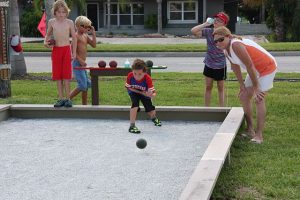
(265, 82)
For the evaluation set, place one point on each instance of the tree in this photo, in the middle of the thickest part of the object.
(48, 7)
(80, 3)
(18, 66)
(5, 88)
(280, 17)
(281, 14)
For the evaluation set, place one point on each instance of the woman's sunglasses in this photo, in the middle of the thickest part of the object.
(221, 39)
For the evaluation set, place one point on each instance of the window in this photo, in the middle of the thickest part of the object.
(182, 12)
(125, 14)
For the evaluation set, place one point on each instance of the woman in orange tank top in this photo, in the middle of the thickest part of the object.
(261, 69)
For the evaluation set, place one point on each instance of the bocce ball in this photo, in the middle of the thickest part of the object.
(141, 143)
(51, 42)
(102, 64)
(149, 63)
(113, 64)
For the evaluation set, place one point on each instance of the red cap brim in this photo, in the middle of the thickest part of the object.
(223, 17)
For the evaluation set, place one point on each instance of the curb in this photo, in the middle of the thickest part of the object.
(155, 54)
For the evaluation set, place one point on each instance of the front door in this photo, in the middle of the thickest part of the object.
(93, 13)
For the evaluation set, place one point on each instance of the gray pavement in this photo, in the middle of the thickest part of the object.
(169, 39)
(287, 64)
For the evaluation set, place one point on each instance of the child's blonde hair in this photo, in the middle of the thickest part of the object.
(82, 20)
(223, 31)
(58, 4)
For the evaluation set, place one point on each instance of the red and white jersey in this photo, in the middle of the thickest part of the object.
(144, 84)
(263, 61)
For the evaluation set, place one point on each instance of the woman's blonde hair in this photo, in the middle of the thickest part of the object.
(82, 20)
(58, 4)
(223, 31)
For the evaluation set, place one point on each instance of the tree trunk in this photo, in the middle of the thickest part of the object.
(18, 66)
(263, 13)
(279, 28)
(48, 7)
(5, 89)
(159, 17)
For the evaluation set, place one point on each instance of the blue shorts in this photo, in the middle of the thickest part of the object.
(83, 82)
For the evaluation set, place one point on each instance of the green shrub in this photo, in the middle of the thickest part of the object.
(295, 30)
(29, 23)
(151, 21)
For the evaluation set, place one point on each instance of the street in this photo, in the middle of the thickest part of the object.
(287, 64)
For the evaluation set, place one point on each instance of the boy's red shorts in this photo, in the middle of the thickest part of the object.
(61, 63)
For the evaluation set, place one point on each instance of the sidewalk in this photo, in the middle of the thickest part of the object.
(156, 54)
(143, 40)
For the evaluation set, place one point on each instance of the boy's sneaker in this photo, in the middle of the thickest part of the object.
(134, 129)
(59, 103)
(68, 103)
(156, 121)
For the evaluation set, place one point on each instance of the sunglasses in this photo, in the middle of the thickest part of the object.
(86, 27)
(221, 39)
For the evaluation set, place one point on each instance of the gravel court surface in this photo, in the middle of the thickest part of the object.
(98, 159)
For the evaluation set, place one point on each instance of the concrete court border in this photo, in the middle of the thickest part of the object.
(205, 175)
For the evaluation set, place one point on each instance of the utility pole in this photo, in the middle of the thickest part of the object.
(159, 17)
(108, 17)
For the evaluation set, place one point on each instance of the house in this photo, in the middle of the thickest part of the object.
(141, 16)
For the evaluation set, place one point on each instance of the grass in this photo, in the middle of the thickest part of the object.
(267, 171)
(38, 47)
(280, 46)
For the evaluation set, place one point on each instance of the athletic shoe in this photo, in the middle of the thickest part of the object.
(134, 129)
(59, 103)
(68, 103)
(156, 121)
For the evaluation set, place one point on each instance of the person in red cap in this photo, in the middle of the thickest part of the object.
(215, 62)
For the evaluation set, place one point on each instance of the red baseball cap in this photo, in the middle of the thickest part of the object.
(223, 17)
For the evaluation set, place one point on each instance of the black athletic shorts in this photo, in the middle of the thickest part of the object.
(216, 74)
(136, 98)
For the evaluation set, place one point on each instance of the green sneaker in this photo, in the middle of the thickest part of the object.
(156, 121)
(134, 129)
(59, 103)
(68, 103)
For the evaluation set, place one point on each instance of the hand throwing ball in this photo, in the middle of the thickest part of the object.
(102, 64)
(149, 63)
(113, 64)
(51, 42)
(141, 143)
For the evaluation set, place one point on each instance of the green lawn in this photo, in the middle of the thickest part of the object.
(267, 171)
(280, 46)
